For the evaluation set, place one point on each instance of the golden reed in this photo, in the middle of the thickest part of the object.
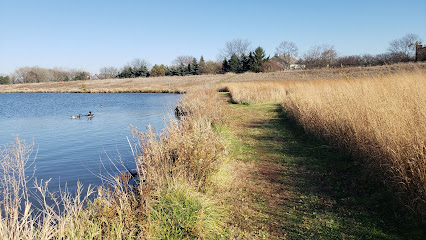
(380, 120)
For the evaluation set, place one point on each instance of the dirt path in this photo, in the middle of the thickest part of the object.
(297, 187)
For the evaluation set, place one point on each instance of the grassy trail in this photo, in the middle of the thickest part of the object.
(301, 188)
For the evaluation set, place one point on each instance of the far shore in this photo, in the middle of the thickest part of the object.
(182, 84)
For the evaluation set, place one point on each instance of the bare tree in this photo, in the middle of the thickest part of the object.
(328, 55)
(236, 46)
(108, 72)
(138, 63)
(405, 46)
(32, 75)
(184, 59)
(320, 56)
(287, 49)
(312, 56)
(213, 67)
(61, 74)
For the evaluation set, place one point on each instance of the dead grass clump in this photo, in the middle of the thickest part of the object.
(188, 150)
(204, 104)
(381, 121)
(16, 221)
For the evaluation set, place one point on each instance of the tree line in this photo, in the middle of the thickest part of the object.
(236, 57)
(38, 74)
(252, 62)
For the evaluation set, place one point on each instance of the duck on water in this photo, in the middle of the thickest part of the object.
(89, 115)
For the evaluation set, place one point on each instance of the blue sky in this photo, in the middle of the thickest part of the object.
(90, 34)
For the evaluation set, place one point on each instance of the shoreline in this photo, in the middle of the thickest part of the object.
(99, 91)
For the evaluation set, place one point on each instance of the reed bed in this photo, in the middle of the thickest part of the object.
(257, 92)
(174, 170)
(380, 121)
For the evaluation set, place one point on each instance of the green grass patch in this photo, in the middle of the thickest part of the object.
(183, 213)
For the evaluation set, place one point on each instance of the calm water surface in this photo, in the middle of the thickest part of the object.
(71, 150)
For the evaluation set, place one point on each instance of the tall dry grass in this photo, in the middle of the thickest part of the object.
(257, 92)
(30, 211)
(381, 121)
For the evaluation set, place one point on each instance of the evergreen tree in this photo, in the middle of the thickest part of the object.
(225, 66)
(234, 63)
(4, 80)
(142, 71)
(258, 59)
(182, 70)
(250, 62)
(171, 71)
(245, 63)
(189, 69)
(194, 68)
(202, 66)
(126, 73)
(133, 72)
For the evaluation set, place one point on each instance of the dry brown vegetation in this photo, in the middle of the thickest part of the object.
(152, 84)
(380, 120)
(257, 92)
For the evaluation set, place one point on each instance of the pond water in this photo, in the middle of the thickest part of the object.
(71, 150)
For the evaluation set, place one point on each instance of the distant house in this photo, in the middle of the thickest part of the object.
(288, 63)
(297, 67)
(94, 77)
(420, 53)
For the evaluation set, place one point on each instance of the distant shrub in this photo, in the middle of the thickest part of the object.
(5, 80)
(213, 67)
(81, 76)
(158, 71)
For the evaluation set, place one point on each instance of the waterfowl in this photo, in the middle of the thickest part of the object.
(76, 116)
(90, 115)
(102, 105)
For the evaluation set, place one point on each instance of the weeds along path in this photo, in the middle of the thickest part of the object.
(297, 187)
